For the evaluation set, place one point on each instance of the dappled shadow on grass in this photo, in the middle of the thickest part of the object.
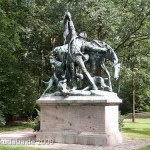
(143, 120)
(144, 131)
(140, 129)
(145, 148)
(20, 126)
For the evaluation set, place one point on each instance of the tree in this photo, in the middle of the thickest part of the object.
(17, 93)
(31, 29)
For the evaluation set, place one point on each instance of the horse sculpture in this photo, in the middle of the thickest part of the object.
(101, 57)
(95, 57)
(77, 55)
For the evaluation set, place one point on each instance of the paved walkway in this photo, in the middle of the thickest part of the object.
(24, 134)
(27, 137)
(126, 145)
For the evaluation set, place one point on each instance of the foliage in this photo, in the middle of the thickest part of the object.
(138, 130)
(17, 91)
(14, 127)
(121, 119)
(36, 122)
(2, 119)
(31, 29)
(142, 80)
(134, 52)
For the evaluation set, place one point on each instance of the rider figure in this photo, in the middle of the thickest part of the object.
(76, 46)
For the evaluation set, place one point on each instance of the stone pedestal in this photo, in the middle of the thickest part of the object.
(87, 120)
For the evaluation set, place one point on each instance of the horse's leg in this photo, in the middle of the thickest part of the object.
(108, 76)
(92, 64)
(73, 76)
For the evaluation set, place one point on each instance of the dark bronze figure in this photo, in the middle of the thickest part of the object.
(71, 58)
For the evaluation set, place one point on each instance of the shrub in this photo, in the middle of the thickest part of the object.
(121, 119)
(2, 119)
(36, 122)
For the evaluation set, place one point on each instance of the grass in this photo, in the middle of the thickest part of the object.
(15, 127)
(133, 131)
(145, 148)
(138, 130)
(8, 147)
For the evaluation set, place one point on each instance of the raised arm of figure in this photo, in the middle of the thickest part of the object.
(70, 31)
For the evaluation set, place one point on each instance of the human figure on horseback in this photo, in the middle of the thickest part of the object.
(74, 53)
(76, 47)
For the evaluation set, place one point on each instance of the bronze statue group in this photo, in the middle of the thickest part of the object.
(75, 63)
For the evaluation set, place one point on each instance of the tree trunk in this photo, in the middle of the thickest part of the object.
(133, 98)
(42, 71)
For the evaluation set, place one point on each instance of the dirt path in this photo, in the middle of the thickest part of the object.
(126, 145)
(27, 134)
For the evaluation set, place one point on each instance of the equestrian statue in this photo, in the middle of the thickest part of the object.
(75, 63)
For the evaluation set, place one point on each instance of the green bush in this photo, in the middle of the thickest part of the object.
(36, 122)
(2, 119)
(121, 119)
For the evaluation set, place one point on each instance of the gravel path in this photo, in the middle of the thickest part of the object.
(126, 145)
(29, 134)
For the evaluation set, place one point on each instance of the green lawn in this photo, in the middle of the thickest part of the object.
(8, 147)
(145, 148)
(138, 130)
(20, 126)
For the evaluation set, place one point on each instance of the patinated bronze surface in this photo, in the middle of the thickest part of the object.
(75, 63)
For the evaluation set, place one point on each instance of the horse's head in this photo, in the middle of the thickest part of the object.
(116, 67)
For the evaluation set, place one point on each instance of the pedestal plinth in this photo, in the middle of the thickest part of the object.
(87, 120)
